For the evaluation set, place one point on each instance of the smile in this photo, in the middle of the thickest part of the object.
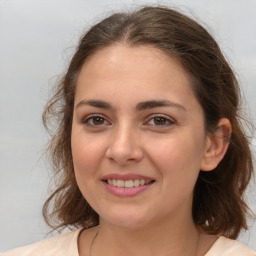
(128, 183)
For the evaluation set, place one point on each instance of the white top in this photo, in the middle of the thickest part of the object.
(66, 245)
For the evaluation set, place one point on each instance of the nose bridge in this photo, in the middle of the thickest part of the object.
(124, 146)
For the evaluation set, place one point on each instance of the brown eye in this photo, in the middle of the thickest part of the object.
(97, 120)
(160, 120)
(94, 121)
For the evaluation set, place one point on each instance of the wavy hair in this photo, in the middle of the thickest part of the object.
(218, 205)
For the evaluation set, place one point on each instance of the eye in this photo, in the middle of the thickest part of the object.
(95, 120)
(160, 121)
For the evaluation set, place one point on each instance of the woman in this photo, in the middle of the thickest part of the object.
(150, 154)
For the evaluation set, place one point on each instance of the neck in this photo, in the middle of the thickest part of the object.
(172, 238)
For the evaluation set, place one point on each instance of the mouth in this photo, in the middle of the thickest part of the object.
(120, 183)
(127, 185)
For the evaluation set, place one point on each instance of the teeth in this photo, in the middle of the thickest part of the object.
(120, 183)
(136, 183)
(128, 183)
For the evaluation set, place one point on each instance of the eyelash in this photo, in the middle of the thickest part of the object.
(93, 118)
(167, 121)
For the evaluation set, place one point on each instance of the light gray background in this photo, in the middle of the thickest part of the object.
(37, 39)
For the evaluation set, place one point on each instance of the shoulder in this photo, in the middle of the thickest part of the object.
(64, 244)
(228, 247)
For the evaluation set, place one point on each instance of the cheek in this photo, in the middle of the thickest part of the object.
(87, 155)
(177, 157)
(87, 152)
(176, 149)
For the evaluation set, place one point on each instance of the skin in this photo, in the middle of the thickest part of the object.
(125, 139)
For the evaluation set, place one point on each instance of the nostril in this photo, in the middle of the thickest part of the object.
(124, 155)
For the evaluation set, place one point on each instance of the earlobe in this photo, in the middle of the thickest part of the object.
(216, 145)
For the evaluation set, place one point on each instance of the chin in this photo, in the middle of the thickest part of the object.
(128, 221)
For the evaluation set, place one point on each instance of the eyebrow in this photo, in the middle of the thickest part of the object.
(158, 103)
(150, 104)
(95, 103)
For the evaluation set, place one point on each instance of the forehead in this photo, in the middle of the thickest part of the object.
(123, 57)
(121, 70)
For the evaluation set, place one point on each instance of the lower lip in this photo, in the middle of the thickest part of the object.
(126, 192)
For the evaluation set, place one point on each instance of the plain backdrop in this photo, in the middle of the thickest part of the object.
(37, 39)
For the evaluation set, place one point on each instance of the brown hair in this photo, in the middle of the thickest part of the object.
(218, 206)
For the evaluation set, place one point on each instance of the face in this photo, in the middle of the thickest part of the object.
(138, 136)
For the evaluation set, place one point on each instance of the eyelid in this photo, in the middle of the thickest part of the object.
(88, 117)
(168, 119)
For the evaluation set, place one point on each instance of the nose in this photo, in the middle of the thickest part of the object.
(124, 147)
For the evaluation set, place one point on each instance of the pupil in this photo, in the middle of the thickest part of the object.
(98, 120)
(160, 120)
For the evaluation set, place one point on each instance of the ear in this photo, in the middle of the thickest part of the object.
(216, 145)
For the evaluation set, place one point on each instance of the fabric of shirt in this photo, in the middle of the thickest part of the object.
(66, 245)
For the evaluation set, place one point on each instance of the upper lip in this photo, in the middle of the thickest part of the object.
(128, 176)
